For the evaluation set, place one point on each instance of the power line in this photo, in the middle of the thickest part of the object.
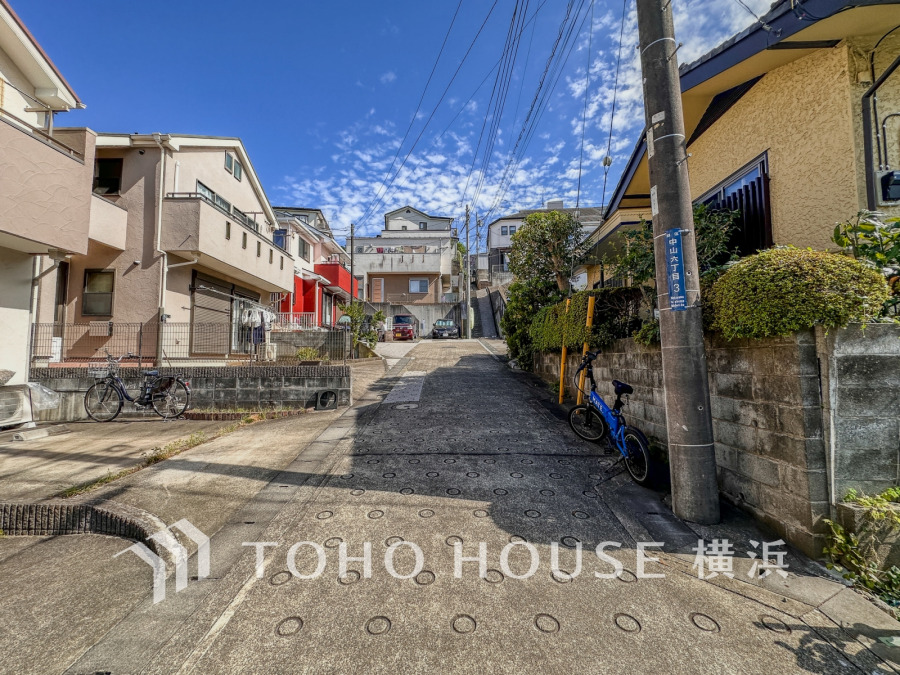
(374, 206)
(607, 161)
(422, 97)
(587, 83)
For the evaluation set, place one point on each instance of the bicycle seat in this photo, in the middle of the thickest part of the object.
(622, 389)
(152, 373)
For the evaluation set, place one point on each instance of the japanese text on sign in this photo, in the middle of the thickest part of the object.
(675, 270)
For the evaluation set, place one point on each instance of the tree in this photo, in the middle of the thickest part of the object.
(362, 325)
(525, 298)
(546, 248)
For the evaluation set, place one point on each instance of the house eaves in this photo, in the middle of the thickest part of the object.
(28, 55)
(789, 31)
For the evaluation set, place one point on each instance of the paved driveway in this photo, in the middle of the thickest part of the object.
(460, 456)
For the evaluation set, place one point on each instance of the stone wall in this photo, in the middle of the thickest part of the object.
(253, 387)
(797, 420)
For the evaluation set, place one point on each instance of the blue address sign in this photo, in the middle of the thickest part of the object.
(675, 270)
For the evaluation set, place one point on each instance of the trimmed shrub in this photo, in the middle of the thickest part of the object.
(784, 290)
(615, 316)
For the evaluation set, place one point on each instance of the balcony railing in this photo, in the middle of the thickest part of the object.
(294, 321)
(242, 217)
(40, 134)
(398, 250)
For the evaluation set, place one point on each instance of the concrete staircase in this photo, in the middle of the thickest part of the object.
(483, 326)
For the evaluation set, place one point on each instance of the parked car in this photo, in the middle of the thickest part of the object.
(445, 328)
(406, 327)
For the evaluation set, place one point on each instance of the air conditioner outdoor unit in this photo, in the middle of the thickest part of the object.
(15, 405)
(267, 352)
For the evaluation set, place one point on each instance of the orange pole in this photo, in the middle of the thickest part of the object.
(588, 324)
(562, 362)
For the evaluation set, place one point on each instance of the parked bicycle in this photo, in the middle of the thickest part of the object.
(596, 421)
(168, 396)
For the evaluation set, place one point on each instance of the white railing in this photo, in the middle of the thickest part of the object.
(293, 321)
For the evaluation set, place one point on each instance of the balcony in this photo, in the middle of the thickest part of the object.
(45, 192)
(108, 223)
(193, 228)
(338, 277)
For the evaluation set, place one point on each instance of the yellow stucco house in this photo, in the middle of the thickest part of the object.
(794, 122)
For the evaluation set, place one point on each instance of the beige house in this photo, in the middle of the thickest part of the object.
(413, 261)
(187, 249)
(46, 208)
(775, 129)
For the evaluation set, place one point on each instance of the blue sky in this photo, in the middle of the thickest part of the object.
(322, 93)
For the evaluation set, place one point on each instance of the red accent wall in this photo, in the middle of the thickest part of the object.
(338, 275)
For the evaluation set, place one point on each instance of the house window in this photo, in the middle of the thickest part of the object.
(271, 256)
(258, 249)
(98, 293)
(107, 176)
(512, 230)
(238, 170)
(240, 215)
(403, 227)
(229, 162)
(423, 226)
(243, 240)
(233, 166)
(205, 192)
(418, 285)
(504, 230)
(279, 238)
(281, 263)
(227, 230)
(303, 249)
(747, 192)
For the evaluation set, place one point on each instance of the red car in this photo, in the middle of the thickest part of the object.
(406, 327)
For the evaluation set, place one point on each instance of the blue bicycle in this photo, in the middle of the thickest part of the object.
(595, 421)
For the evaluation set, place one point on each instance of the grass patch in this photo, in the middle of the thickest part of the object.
(157, 455)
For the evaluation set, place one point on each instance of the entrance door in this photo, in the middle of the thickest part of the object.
(377, 290)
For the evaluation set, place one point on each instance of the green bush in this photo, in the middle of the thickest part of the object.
(308, 354)
(615, 316)
(648, 333)
(784, 290)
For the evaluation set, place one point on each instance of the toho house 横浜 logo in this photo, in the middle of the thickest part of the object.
(167, 540)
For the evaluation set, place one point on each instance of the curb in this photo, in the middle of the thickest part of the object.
(233, 416)
(103, 517)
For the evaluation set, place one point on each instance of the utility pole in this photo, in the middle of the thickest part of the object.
(468, 281)
(692, 458)
(352, 278)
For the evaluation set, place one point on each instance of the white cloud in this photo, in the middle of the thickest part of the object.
(388, 77)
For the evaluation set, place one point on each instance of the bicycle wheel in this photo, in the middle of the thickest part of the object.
(172, 401)
(103, 402)
(587, 423)
(637, 459)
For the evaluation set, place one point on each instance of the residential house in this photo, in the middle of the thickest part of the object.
(414, 263)
(501, 230)
(782, 126)
(322, 270)
(46, 208)
(188, 260)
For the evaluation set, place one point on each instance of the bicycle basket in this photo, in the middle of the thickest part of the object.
(98, 373)
(162, 384)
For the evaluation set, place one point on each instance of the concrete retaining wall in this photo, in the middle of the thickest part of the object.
(253, 387)
(797, 420)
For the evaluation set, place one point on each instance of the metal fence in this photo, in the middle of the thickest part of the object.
(214, 344)
(293, 321)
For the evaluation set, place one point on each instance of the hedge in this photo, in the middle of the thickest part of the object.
(615, 316)
(784, 290)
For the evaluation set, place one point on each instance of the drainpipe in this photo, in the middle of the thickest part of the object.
(163, 272)
(868, 153)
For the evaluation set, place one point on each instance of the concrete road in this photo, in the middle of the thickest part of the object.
(452, 452)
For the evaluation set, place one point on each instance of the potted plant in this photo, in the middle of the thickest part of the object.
(308, 356)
